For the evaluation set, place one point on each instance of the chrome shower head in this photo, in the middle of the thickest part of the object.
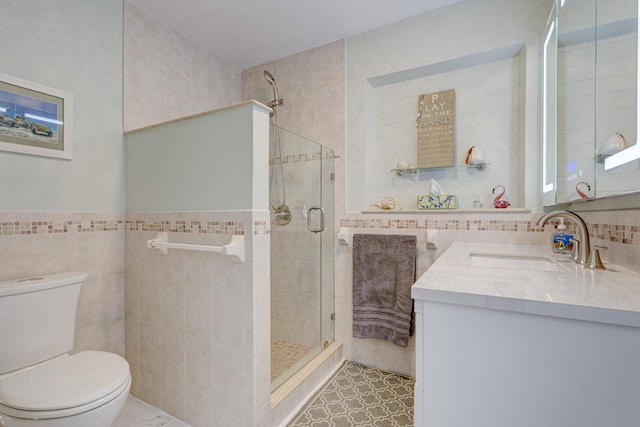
(272, 81)
(269, 77)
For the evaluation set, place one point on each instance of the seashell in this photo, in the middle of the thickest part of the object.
(612, 145)
(582, 194)
(388, 204)
(404, 167)
(474, 156)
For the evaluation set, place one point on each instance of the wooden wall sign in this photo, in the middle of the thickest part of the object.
(436, 120)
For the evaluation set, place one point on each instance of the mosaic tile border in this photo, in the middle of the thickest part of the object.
(625, 234)
(617, 233)
(189, 227)
(14, 228)
(305, 157)
(444, 224)
(43, 226)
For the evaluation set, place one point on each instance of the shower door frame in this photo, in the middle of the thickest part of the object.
(309, 177)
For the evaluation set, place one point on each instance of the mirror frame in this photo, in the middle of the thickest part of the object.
(623, 201)
(614, 202)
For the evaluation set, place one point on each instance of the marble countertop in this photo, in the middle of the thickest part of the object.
(533, 280)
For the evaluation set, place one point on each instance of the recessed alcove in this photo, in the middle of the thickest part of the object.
(488, 114)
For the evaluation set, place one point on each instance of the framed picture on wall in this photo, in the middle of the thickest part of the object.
(35, 119)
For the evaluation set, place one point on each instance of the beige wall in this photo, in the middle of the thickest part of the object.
(33, 243)
(167, 76)
(311, 84)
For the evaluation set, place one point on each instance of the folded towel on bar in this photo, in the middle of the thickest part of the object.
(384, 268)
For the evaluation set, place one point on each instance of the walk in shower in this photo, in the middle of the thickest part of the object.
(302, 251)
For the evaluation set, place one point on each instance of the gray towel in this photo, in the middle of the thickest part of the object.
(384, 268)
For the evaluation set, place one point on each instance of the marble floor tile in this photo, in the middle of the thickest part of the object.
(137, 413)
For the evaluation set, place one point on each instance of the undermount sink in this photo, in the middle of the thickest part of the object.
(514, 261)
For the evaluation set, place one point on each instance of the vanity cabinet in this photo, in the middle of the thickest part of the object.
(507, 347)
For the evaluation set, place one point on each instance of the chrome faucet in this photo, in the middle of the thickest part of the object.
(584, 247)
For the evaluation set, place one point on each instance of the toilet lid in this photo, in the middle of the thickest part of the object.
(65, 382)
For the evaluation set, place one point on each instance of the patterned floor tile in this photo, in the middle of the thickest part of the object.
(360, 396)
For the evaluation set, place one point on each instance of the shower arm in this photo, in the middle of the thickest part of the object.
(277, 102)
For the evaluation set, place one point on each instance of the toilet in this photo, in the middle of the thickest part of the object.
(41, 383)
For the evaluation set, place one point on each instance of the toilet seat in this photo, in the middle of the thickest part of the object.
(64, 386)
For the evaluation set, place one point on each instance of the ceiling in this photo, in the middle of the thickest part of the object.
(249, 32)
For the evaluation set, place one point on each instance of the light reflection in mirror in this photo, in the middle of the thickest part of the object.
(549, 110)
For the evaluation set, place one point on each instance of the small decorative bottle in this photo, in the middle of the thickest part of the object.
(562, 243)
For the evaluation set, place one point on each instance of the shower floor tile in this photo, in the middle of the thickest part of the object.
(360, 396)
(284, 355)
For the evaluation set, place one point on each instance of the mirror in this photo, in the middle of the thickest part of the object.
(589, 98)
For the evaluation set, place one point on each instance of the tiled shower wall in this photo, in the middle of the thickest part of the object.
(36, 243)
(311, 85)
(197, 323)
(302, 277)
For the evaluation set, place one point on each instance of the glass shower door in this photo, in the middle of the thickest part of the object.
(302, 285)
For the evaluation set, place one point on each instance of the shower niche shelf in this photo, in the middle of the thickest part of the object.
(414, 170)
(478, 166)
(509, 210)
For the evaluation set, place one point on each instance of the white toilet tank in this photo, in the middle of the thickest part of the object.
(37, 318)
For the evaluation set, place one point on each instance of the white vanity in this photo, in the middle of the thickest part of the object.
(507, 336)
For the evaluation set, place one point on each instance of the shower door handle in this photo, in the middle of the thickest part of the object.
(309, 227)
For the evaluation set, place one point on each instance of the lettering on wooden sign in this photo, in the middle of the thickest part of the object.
(436, 126)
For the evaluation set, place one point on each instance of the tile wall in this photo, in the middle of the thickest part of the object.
(619, 231)
(168, 76)
(197, 323)
(312, 85)
(197, 334)
(35, 243)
